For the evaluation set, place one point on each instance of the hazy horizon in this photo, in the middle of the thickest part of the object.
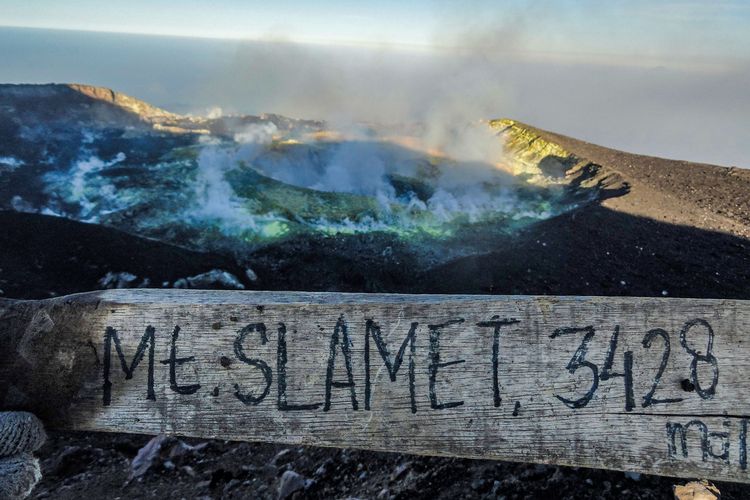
(693, 111)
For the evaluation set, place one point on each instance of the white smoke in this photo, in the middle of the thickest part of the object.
(356, 167)
(446, 170)
(214, 196)
(256, 134)
(214, 112)
(82, 185)
(10, 163)
(83, 168)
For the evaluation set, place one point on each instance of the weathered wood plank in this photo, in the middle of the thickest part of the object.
(651, 385)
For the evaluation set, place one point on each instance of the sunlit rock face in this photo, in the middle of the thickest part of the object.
(239, 182)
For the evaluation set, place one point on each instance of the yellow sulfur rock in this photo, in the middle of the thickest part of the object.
(697, 490)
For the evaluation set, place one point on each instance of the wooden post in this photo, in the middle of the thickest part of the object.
(651, 385)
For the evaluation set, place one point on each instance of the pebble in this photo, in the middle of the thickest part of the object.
(279, 455)
(400, 470)
(147, 456)
(635, 476)
(251, 275)
(323, 469)
(290, 483)
(495, 488)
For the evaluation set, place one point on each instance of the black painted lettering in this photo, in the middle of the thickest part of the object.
(496, 323)
(147, 340)
(705, 358)
(281, 360)
(577, 361)
(173, 362)
(675, 430)
(649, 399)
(743, 444)
(435, 364)
(239, 351)
(724, 439)
(627, 361)
(629, 397)
(340, 338)
(372, 330)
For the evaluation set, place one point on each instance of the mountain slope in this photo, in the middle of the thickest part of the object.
(76, 104)
(679, 192)
(143, 109)
(666, 228)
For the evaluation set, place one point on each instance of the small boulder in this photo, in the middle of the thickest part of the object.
(147, 457)
(118, 280)
(213, 279)
(290, 483)
(697, 490)
(251, 275)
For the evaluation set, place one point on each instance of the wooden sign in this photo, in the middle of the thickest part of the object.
(641, 384)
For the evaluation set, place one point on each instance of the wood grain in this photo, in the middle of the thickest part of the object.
(566, 380)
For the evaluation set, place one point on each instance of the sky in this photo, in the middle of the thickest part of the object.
(634, 29)
(668, 78)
